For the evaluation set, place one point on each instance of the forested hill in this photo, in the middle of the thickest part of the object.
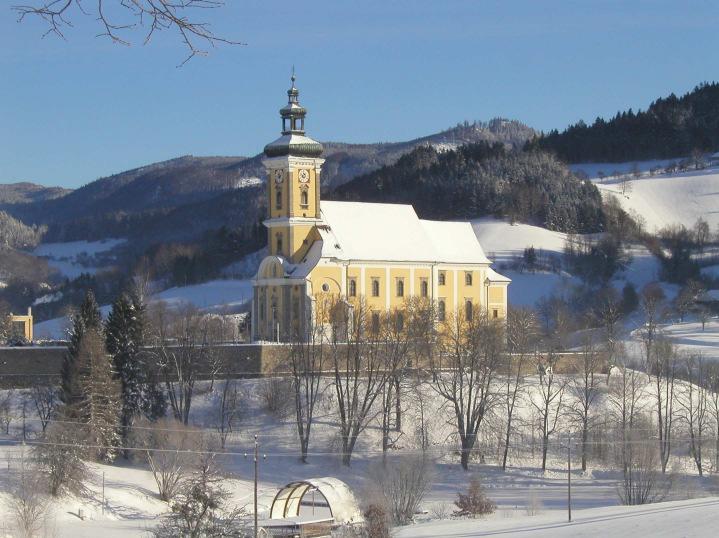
(671, 127)
(484, 179)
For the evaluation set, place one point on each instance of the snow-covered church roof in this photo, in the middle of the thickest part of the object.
(363, 231)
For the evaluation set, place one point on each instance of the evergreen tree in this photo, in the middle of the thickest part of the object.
(100, 406)
(87, 318)
(124, 340)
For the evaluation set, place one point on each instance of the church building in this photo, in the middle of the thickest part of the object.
(379, 253)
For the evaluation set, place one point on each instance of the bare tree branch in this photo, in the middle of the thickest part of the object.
(152, 15)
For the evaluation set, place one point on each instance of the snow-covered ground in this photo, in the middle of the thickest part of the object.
(133, 506)
(219, 296)
(711, 271)
(695, 518)
(76, 257)
(666, 199)
(689, 337)
(216, 295)
(504, 244)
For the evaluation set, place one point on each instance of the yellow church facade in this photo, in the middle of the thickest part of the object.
(381, 254)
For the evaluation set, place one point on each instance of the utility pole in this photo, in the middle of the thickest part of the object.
(24, 430)
(257, 472)
(257, 446)
(569, 479)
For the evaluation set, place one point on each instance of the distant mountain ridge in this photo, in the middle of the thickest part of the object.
(25, 192)
(194, 193)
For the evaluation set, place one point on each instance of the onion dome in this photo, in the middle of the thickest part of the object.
(293, 140)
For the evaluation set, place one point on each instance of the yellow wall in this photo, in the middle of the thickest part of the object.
(291, 181)
(298, 210)
(26, 322)
(394, 274)
(329, 275)
(376, 303)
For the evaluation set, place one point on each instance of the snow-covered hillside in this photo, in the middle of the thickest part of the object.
(221, 296)
(76, 257)
(666, 199)
(504, 244)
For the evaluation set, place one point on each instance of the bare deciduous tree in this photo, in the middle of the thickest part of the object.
(662, 370)
(693, 400)
(229, 410)
(471, 350)
(626, 393)
(548, 401)
(307, 357)
(403, 484)
(521, 337)
(119, 18)
(7, 412)
(182, 343)
(28, 504)
(712, 383)
(394, 345)
(169, 448)
(358, 368)
(585, 388)
(44, 398)
(59, 457)
(642, 483)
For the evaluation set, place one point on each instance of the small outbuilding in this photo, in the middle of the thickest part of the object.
(312, 508)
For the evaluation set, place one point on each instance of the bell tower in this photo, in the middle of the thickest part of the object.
(293, 167)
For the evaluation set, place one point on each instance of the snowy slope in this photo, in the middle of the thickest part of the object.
(222, 296)
(76, 257)
(670, 198)
(503, 241)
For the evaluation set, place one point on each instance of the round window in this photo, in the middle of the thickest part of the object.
(325, 287)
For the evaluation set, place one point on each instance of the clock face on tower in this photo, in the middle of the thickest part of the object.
(304, 176)
(279, 176)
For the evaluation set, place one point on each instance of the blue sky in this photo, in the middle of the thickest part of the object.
(72, 111)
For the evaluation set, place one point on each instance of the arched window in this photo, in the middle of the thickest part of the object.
(400, 287)
(424, 288)
(278, 199)
(278, 250)
(442, 278)
(468, 310)
(304, 198)
(441, 310)
(375, 287)
(352, 288)
(468, 278)
(262, 309)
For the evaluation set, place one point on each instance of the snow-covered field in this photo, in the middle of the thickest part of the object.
(670, 198)
(132, 505)
(76, 257)
(691, 339)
